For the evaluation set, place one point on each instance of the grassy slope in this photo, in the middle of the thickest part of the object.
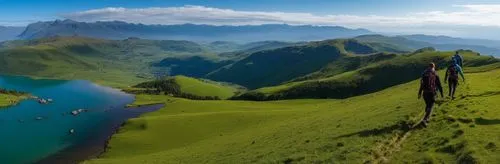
(410, 44)
(465, 130)
(52, 62)
(345, 64)
(117, 63)
(272, 67)
(372, 77)
(7, 100)
(204, 88)
(354, 130)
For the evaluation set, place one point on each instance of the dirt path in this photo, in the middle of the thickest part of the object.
(383, 151)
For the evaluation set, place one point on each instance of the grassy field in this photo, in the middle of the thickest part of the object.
(187, 87)
(116, 63)
(367, 79)
(204, 88)
(370, 128)
(8, 100)
(60, 62)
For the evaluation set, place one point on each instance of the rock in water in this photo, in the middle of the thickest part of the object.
(74, 113)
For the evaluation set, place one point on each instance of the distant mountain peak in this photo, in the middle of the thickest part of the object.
(243, 33)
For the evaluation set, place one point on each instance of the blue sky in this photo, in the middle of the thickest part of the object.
(447, 17)
(19, 11)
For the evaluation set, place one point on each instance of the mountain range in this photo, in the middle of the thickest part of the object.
(452, 40)
(10, 32)
(414, 42)
(248, 33)
(223, 38)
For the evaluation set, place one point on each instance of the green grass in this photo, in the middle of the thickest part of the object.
(187, 87)
(204, 87)
(368, 78)
(464, 130)
(47, 61)
(368, 128)
(8, 100)
(117, 63)
(273, 67)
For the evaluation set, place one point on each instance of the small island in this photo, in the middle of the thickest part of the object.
(9, 97)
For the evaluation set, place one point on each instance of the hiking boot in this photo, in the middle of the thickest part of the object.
(424, 123)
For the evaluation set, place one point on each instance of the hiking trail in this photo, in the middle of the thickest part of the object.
(383, 151)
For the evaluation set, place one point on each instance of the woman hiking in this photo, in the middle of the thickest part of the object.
(429, 85)
(452, 77)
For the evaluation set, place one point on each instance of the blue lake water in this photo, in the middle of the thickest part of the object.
(24, 139)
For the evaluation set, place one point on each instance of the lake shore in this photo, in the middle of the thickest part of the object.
(96, 145)
(7, 100)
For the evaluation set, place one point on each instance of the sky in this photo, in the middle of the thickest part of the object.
(444, 17)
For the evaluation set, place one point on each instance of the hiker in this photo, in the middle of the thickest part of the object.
(452, 78)
(429, 84)
(457, 59)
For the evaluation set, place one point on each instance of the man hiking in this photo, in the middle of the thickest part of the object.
(452, 77)
(457, 59)
(429, 85)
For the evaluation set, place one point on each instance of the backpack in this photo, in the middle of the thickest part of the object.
(457, 59)
(452, 70)
(429, 81)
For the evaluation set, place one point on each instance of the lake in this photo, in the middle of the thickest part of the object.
(25, 138)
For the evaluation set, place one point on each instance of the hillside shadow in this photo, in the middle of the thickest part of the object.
(403, 126)
(483, 121)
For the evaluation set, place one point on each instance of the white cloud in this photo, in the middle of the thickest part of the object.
(465, 15)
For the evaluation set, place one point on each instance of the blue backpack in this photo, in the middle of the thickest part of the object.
(457, 59)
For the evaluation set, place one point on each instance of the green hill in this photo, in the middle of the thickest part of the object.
(247, 49)
(111, 62)
(411, 43)
(378, 75)
(346, 64)
(182, 86)
(205, 87)
(272, 67)
(398, 41)
(8, 98)
(372, 128)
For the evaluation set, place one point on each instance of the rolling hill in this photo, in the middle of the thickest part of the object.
(453, 40)
(182, 86)
(272, 67)
(414, 42)
(112, 62)
(119, 62)
(375, 76)
(372, 128)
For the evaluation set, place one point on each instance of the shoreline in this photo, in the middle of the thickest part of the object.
(96, 145)
(18, 99)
